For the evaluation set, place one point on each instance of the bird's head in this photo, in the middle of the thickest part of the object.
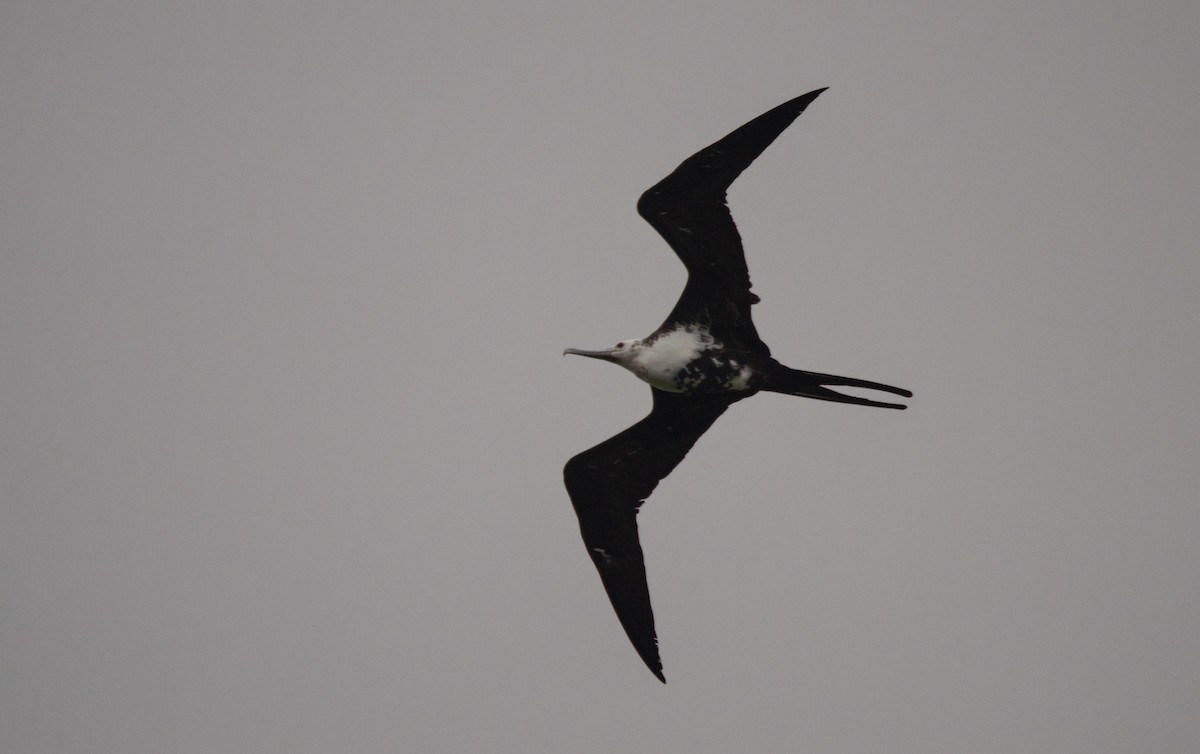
(622, 353)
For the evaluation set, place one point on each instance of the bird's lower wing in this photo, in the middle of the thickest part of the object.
(607, 485)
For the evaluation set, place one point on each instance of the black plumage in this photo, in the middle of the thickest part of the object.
(608, 483)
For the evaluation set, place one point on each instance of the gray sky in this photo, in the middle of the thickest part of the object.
(282, 411)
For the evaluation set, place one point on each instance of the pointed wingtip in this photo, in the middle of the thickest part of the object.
(804, 100)
(655, 666)
(652, 659)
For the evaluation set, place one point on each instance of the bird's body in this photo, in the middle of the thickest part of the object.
(684, 359)
(706, 356)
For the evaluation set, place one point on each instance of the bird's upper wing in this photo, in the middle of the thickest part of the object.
(607, 485)
(688, 209)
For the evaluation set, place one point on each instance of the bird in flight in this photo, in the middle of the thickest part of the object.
(705, 357)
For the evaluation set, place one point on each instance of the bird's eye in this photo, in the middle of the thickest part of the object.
(619, 344)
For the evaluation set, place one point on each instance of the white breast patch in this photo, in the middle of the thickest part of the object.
(660, 362)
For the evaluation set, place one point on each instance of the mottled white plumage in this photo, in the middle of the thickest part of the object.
(682, 360)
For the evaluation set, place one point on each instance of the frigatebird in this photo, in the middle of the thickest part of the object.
(705, 357)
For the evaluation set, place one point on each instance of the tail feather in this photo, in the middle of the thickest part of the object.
(815, 385)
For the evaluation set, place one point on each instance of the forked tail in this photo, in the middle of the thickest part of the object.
(816, 385)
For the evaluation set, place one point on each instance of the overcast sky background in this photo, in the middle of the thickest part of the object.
(283, 292)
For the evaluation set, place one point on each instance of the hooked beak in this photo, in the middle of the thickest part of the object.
(606, 354)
